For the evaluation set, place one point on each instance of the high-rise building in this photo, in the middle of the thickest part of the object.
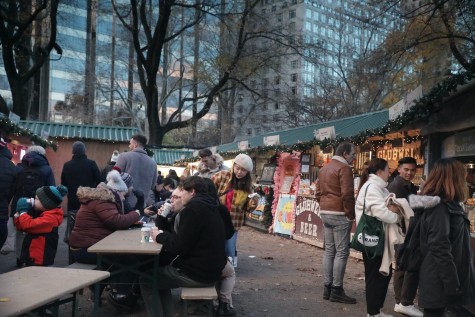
(336, 33)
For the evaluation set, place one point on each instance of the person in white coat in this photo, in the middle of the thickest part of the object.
(373, 193)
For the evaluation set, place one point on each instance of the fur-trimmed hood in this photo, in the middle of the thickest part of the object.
(86, 194)
(423, 202)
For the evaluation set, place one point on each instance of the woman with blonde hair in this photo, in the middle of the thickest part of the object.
(447, 273)
(371, 200)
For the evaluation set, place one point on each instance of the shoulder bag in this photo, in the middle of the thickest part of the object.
(369, 234)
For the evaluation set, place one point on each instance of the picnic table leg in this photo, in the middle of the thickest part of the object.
(97, 286)
(154, 285)
(75, 305)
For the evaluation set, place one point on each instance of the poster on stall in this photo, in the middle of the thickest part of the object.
(308, 224)
(284, 215)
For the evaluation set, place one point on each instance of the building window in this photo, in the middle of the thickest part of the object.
(275, 117)
(277, 80)
(265, 81)
(264, 119)
(241, 109)
(294, 91)
(274, 8)
(293, 78)
(292, 14)
(249, 131)
(294, 64)
(277, 92)
(279, 17)
(276, 106)
(292, 27)
(265, 107)
(257, 130)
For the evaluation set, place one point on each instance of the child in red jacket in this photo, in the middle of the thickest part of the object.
(40, 219)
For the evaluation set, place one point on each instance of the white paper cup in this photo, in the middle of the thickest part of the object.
(167, 207)
(146, 234)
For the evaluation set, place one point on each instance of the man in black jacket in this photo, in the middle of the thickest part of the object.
(405, 282)
(198, 245)
(7, 179)
(80, 171)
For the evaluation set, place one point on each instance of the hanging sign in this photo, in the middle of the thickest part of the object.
(271, 140)
(325, 133)
(243, 145)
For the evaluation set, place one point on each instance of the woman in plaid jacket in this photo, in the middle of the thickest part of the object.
(234, 187)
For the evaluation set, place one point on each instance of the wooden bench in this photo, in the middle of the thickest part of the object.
(81, 266)
(199, 299)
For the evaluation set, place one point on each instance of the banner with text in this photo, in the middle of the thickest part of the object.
(307, 219)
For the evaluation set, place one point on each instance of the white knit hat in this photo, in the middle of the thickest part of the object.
(115, 156)
(244, 161)
(114, 181)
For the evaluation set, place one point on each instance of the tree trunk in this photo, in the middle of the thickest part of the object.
(90, 77)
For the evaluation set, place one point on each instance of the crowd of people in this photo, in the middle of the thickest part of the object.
(426, 225)
(196, 219)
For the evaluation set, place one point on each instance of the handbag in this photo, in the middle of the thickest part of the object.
(369, 234)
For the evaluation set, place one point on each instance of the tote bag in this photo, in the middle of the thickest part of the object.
(369, 234)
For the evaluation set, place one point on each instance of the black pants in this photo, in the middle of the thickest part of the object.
(405, 286)
(376, 284)
(434, 312)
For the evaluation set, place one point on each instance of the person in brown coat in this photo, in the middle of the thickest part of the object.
(101, 213)
(336, 195)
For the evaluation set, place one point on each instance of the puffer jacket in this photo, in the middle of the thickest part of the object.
(100, 214)
(41, 240)
(447, 273)
(7, 180)
(335, 189)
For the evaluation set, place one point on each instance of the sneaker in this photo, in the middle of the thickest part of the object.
(381, 314)
(409, 310)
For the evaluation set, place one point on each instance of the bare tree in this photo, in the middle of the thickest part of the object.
(24, 54)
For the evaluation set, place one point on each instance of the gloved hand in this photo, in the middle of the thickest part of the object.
(22, 205)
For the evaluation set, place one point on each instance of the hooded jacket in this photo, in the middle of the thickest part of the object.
(35, 160)
(41, 240)
(7, 179)
(99, 215)
(199, 241)
(447, 273)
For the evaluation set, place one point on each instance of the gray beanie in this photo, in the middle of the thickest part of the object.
(114, 181)
(79, 148)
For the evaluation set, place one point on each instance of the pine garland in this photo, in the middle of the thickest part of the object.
(9, 128)
(419, 113)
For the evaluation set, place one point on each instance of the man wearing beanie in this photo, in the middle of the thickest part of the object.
(79, 171)
(140, 166)
(40, 218)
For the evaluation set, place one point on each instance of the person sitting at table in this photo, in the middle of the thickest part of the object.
(101, 213)
(198, 245)
(40, 220)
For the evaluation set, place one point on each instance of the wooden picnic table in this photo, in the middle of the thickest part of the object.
(125, 242)
(35, 287)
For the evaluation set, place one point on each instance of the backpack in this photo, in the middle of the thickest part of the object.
(28, 181)
(409, 254)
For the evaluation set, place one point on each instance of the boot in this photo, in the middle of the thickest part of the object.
(327, 289)
(122, 302)
(338, 295)
(224, 309)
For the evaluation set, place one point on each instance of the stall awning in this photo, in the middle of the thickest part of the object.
(345, 127)
(168, 157)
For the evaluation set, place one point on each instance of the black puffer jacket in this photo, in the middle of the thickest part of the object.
(199, 242)
(7, 179)
(447, 273)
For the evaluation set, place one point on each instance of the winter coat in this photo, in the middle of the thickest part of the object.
(402, 188)
(41, 240)
(335, 189)
(7, 179)
(35, 160)
(375, 201)
(143, 170)
(80, 171)
(199, 242)
(100, 214)
(447, 273)
(222, 181)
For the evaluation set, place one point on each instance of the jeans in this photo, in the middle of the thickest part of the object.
(226, 285)
(230, 246)
(168, 277)
(337, 248)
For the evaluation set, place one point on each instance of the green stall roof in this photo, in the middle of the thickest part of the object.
(345, 127)
(168, 157)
